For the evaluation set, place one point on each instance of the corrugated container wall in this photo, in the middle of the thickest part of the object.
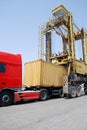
(41, 73)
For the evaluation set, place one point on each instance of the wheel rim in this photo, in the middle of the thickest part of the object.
(78, 91)
(43, 95)
(73, 92)
(5, 98)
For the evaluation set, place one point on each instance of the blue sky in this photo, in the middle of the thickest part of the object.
(20, 20)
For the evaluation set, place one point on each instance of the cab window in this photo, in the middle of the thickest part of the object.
(2, 68)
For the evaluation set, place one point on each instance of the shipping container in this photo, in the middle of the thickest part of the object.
(41, 73)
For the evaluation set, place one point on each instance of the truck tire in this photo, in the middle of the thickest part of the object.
(43, 95)
(85, 90)
(61, 94)
(73, 92)
(78, 91)
(6, 98)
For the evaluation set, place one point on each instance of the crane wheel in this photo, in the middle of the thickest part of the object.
(78, 91)
(73, 92)
(85, 90)
(6, 98)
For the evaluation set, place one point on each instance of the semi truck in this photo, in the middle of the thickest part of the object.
(41, 79)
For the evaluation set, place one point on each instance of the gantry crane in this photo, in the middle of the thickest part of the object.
(62, 23)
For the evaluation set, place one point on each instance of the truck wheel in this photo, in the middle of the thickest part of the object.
(43, 95)
(6, 98)
(61, 94)
(73, 92)
(85, 92)
(78, 91)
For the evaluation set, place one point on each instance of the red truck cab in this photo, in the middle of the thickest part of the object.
(10, 71)
(10, 75)
(11, 80)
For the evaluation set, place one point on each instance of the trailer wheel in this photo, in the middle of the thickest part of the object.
(78, 91)
(6, 98)
(61, 94)
(73, 92)
(43, 95)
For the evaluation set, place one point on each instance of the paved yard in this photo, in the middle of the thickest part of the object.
(54, 114)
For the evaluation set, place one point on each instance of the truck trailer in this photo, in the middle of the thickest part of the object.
(45, 76)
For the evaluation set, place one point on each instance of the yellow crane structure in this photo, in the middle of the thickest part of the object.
(62, 23)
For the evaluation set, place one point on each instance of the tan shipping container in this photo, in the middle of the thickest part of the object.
(41, 73)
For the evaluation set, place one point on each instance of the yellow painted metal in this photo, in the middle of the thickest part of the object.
(61, 7)
(63, 21)
(81, 67)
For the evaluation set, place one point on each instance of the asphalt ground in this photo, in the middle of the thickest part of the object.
(53, 114)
